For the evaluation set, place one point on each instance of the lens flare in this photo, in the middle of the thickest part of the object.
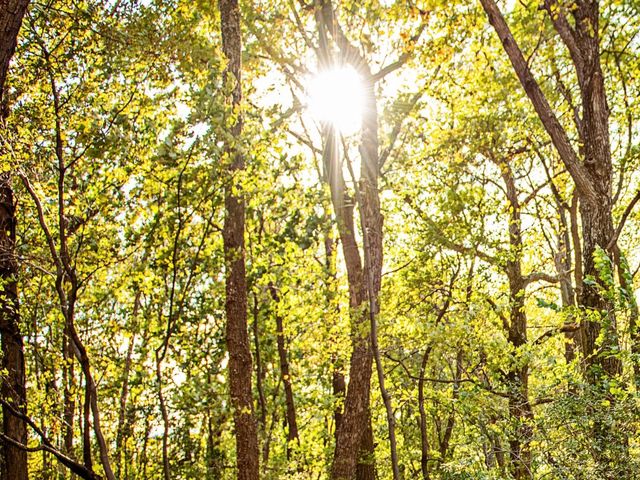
(336, 96)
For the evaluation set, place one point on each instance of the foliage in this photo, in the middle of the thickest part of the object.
(118, 126)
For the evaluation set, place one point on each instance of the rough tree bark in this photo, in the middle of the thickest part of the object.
(240, 361)
(121, 434)
(13, 461)
(14, 464)
(338, 383)
(591, 174)
(11, 13)
(354, 421)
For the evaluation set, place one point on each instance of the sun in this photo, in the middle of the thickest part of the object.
(336, 96)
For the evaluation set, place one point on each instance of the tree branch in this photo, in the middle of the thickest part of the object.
(567, 328)
(46, 445)
(540, 276)
(567, 35)
(625, 215)
(392, 67)
(540, 103)
(450, 244)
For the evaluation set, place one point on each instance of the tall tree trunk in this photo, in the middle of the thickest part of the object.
(338, 383)
(121, 436)
(13, 461)
(445, 443)
(69, 404)
(240, 369)
(424, 437)
(260, 373)
(355, 417)
(354, 422)
(260, 376)
(371, 221)
(13, 390)
(592, 173)
(562, 261)
(215, 455)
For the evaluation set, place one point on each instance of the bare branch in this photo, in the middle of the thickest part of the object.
(43, 223)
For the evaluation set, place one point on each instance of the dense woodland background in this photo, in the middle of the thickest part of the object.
(200, 280)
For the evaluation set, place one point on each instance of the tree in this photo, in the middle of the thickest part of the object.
(240, 371)
(592, 173)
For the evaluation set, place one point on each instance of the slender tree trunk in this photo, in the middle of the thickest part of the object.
(424, 437)
(562, 262)
(371, 221)
(66, 283)
(338, 383)
(166, 422)
(354, 422)
(240, 369)
(121, 437)
(293, 439)
(353, 434)
(339, 386)
(445, 444)
(518, 374)
(69, 404)
(215, 454)
(260, 374)
(349, 435)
